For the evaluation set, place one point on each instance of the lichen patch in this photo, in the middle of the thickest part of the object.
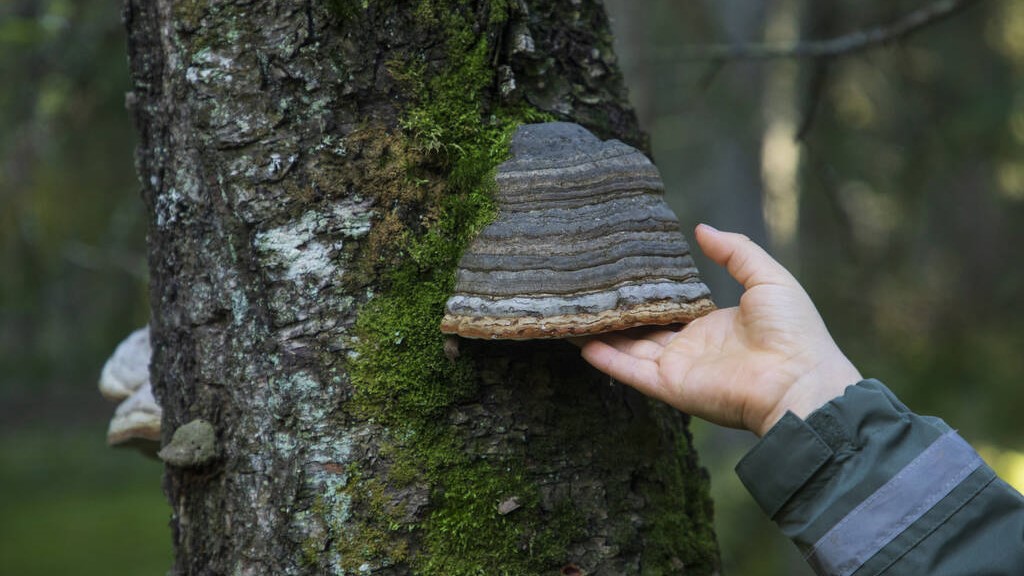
(297, 250)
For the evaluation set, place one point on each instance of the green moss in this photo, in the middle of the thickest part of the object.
(676, 527)
(682, 506)
(379, 535)
(310, 552)
(189, 12)
(347, 10)
(431, 182)
(441, 167)
(401, 371)
(467, 535)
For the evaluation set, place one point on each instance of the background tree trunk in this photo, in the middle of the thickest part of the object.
(311, 170)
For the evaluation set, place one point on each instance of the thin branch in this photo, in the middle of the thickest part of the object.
(853, 42)
(815, 87)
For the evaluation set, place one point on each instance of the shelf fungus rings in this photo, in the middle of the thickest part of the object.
(583, 243)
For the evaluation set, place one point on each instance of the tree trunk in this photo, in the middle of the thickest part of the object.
(311, 171)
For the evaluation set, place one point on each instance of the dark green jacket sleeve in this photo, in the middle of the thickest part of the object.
(864, 487)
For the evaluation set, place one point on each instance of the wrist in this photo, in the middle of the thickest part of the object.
(826, 380)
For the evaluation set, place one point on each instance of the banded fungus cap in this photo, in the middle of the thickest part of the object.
(583, 243)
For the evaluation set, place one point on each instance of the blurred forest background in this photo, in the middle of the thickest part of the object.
(891, 181)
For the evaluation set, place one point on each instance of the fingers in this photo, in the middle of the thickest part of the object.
(747, 262)
(578, 341)
(661, 337)
(641, 373)
(639, 348)
(645, 341)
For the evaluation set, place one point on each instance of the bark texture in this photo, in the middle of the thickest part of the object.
(294, 156)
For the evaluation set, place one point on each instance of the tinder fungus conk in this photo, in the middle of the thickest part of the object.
(583, 243)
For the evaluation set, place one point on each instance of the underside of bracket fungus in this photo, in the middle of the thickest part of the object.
(583, 243)
(137, 418)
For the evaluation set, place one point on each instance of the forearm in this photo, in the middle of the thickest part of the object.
(863, 486)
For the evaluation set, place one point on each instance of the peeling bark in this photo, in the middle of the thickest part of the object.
(265, 127)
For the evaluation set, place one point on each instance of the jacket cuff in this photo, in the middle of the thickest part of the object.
(808, 474)
(782, 462)
(863, 481)
(794, 450)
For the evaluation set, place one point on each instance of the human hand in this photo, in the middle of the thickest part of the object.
(740, 367)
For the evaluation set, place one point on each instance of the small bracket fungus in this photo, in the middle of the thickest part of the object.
(128, 367)
(192, 445)
(583, 243)
(125, 378)
(136, 420)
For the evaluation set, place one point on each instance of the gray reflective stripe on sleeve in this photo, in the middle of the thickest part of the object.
(918, 487)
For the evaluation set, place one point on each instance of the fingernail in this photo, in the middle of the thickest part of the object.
(708, 226)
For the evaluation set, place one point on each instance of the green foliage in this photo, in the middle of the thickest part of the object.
(400, 368)
(72, 231)
(451, 119)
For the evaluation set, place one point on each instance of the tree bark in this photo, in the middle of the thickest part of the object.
(301, 163)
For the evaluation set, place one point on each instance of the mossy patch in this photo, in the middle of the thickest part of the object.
(434, 195)
(348, 10)
(682, 506)
(674, 532)
(383, 541)
(468, 534)
(429, 504)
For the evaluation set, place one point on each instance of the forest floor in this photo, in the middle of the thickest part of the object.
(71, 505)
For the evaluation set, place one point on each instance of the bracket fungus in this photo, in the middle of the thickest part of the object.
(127, 369)
(136, 420)
(583, 243)
(192, 445)
(125, 379)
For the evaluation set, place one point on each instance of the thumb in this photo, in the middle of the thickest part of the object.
(747, 262)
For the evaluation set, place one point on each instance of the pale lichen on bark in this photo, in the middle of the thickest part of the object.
(244, 304)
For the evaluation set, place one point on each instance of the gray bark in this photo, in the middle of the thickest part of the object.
(262, 133)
